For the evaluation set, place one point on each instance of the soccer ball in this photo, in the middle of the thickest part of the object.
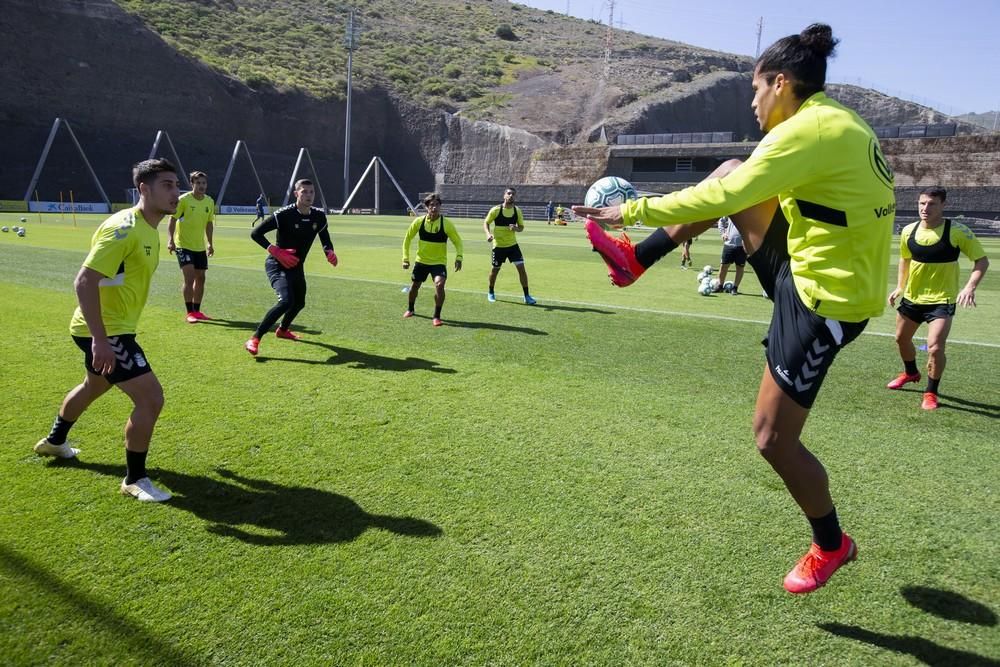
(708, 270)
(4, 229)
(701, 276)
(715, 284)
(24, 219)
(705, 289)
(609, 191)
(729, 287)
(20, 232)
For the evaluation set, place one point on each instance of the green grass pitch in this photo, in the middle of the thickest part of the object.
(570, 483)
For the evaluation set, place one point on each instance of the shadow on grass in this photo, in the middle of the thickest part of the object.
(573, 309)
(949, 402)
(251, 326)
(263, 513)
(949, 605)
(135, 641)
(362, 360)
(460, 324)
(922, 649)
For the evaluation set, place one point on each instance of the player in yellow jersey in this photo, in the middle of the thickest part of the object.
(815, 205)
(928, 282)
(194, 223)
(111, 288)
(507, 220)
(433, 231)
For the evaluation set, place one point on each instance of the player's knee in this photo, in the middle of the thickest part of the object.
(766, 438)
(935, 349)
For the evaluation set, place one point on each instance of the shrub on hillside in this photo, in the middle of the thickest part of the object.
(505, 32)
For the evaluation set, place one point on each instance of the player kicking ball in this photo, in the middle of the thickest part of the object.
(815, 205)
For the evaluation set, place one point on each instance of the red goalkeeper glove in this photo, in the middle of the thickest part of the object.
(331, 257)
(285, 257)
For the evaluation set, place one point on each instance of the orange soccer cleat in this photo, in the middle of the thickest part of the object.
(817, 566)
(618, 254)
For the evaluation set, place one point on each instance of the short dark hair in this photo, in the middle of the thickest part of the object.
(513, 191)
(937, 192)
(302, 181)
(197, 174)
(803, 56)
(432, 197)
(147, 170)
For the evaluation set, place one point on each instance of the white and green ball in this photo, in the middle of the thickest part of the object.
(609, 191)
(729, 287)
(4, 229)
(20, 231)
(705, 289)
(708, 270)
(24, 219)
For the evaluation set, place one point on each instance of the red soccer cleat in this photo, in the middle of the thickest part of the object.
(191, 318)
(252, 346)
(200, 315)
(408, 313)
(437, 321)
(286, 334)
(930, 401)
(618, 254)
(901, 379)
(817, 566)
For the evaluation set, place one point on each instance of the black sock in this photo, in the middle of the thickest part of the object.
(60, 429)
(525, 288)
(197, 306)
(412, 306)
(932, 384)
(189, 305)
(826, 531)
(910, 366)
(655, 246)
(437, 312)
(135, 466)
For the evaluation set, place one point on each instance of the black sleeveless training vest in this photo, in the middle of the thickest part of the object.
(941, 252)
(433, 237)
(505, 221)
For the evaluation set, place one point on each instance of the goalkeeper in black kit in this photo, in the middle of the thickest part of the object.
(298, 226)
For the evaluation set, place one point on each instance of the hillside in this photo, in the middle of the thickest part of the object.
(989, 120)
(446, 91)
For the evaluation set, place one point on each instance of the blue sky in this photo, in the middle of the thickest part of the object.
(945, 54)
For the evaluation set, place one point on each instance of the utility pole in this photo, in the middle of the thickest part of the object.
(609, 38)
(351, 39)
(760, 29)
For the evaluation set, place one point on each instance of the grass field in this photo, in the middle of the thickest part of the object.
(570, 483)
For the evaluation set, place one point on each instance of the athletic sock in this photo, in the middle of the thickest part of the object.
(412, 307)
(932, 384)
(826, 531)
(437, 312)
(525, 288)
(135, 466)
(60, 429)
(197, 307)
(655, 246)
(910, 366)
(189, 305)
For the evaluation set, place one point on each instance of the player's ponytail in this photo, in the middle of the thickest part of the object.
(802, 57)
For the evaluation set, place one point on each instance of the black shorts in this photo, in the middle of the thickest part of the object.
(800, 345)
(421, 271)
(510, 253)
(734, 254)
(199, 258)
(925, 313)
(130, 360)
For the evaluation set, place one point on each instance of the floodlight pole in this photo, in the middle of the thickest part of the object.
(351, 43)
